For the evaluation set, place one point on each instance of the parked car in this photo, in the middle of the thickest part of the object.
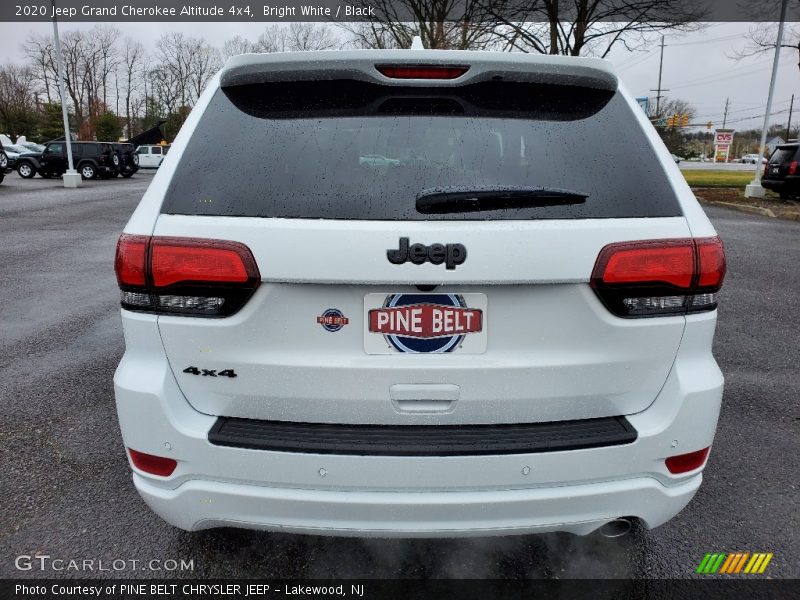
(753, 159)
(151, 157)
(482, 340)
(4, 168)
(782, 173)
(12, 154)
(676, 158)
(91, 160)
(31, 146)
(128, 159)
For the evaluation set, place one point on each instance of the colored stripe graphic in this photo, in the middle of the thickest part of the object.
(733, 563)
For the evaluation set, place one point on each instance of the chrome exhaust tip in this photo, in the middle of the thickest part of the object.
(616, 528)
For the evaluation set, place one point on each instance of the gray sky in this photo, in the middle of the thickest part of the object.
(698, 66)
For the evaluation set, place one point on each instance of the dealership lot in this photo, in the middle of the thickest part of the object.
(67, 484)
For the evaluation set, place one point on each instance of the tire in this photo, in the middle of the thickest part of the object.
(2, 176)
(88, 171)
(787, 195)
(3, 162)
(127, 175)
(26, 170)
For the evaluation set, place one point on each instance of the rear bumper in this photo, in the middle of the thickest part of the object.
(578, 509)
(789, 183)
(574, 490)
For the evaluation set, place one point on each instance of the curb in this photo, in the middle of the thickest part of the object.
(757, 210)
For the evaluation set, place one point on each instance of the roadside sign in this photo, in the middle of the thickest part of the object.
(644, 102)
(723, 138)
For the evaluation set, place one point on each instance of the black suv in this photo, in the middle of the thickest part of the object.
(128, 159)
(782, 172)
(91, 159)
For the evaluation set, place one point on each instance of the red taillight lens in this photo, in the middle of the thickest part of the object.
(175, 260)
(150, 463)
(793, 167)
(659, 277)
(212, 278)
(683, 463)
(422, 71)
(131, 258)
(711, 258)
(670, 263)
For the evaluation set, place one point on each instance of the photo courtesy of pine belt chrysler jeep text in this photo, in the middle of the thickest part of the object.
(444, 297)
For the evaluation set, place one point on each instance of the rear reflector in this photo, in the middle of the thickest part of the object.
(422, 71)
(659, 277)
(200, 277)
(683, 463)
(150, 463)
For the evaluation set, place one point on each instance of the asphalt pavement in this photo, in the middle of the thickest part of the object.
(66, 485)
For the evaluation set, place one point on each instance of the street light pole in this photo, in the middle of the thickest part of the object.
(71, 178)
(754, 188)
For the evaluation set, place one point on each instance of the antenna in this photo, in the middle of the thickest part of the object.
(416, 43)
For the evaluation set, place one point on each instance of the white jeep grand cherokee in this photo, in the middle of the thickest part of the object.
(503, 326)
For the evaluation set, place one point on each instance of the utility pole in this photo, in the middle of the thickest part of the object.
(71, 178)
(725, 116)
(789, 124)
(754, 189)
(659, 90)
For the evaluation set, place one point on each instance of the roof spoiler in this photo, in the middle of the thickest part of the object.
(359, 65)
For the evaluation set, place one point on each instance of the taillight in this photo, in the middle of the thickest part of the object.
(683, 463)
(170, 275)
(150, 463)
(659, 277)
(422, 71)
(792, 167)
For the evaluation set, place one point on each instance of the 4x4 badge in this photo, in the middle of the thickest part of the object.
(451, 255)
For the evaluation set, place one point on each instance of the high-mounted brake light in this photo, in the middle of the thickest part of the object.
(422, 71)
(659, 277)
(212, 278)
(150, 463)
(683, 463)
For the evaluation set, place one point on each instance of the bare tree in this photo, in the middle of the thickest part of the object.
(762, 37)
(132, 59)
(237, 45)
(40, 52)
(17, 98)
(593, 27)
(442, 24)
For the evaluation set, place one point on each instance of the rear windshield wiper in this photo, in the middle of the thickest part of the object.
(439, 201)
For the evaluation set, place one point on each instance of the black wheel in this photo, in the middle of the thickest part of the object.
(88, 171)
(127, 175)
(3, 162)
(45, 175)
(2, 176)
(788, 195)
(26, 170)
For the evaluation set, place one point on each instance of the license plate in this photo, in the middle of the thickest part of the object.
(774, 169)
(422, 323)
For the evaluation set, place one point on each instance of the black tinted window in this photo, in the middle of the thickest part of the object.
(783, 155)
(353, 150)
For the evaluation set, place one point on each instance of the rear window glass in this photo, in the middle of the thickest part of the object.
(356, 150)
(783, 155)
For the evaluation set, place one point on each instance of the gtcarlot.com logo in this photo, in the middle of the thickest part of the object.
(45, 562)
(734, 563)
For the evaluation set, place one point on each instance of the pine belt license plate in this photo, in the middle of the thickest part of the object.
(421, 323)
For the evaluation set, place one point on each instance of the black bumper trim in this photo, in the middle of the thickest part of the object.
(420, 440)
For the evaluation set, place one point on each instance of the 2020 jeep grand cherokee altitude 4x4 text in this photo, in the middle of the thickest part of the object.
(491, 331)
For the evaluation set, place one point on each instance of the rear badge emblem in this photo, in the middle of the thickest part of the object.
(451, 255)
(332, 319)
(425, 322)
